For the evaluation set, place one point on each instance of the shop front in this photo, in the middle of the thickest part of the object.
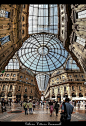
(65, 95)
(58, 97)
(9, 96)
(18, 97)
(25, 97)
(2, 96)
(53, 97)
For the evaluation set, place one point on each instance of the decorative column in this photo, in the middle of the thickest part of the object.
(14, 92)
(22, 92)
(56, 93)
(50, 93)
(77, 95)
(6, 93)
(61, 89)
(69, 91)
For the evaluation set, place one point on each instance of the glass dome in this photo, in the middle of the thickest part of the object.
(42, 53)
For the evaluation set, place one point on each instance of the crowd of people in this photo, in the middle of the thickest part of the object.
(66, 107)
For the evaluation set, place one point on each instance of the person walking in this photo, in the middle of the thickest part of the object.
(47, 106)
(25, 107)
(30, 105)
(67, 109)
(56, 107)
(51, 107)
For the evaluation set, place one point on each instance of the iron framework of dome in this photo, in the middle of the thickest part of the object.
(42, 53)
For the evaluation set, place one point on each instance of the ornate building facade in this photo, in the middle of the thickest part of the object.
(18, 84)
(66, 82)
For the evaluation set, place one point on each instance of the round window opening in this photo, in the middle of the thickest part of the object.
(42, 53)
(43, 50)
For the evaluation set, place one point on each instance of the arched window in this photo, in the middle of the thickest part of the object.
(5, 39)
(80, 40)
(4, 13)
(31, 90)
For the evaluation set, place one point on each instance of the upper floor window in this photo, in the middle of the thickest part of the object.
(80, 88)
(25, 89)
(31, 80)
(64, 88)
(21, 76)
(82, 76)
(22, 18)
(1, 75)
(3, 87)
(5, 39)
(4, 13)
(82, 14)
(63, 77)
(26, 78)
(52, 80)
(80, 40)
(10, 87)
(58, 90)
(75, 75)
(73, 88)
(52, 90)
(7, 75)
(31, 90)
(70, 76)
(23, 5)
(14, 75)
(19, 88)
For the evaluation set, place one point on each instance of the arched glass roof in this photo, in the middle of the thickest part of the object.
(43, 18)
(13, 64)
(42, 53)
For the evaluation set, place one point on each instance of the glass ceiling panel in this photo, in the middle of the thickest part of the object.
(43, 18)
(48, 54)
(71, 64)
